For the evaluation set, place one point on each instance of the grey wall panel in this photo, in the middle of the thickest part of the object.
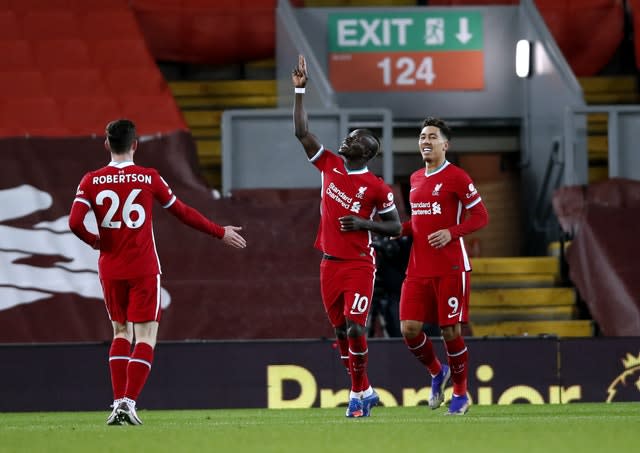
(628, 165)
(260, 150)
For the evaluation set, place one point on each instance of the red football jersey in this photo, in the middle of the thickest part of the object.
(438, 201)
(121, 196)
(359, 193)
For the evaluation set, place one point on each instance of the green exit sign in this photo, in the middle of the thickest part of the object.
(397, 51)
(434, 31)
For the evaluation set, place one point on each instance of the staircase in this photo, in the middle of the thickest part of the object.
(522, 296)
(202, 104)
(604, 90)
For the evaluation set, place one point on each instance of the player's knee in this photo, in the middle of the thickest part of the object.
(410, 329)
(356, 330)
(451, 332)
(341, 332)
(122, 331)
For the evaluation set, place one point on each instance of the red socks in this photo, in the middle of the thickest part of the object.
(138, 369)
(118, 361)
(421, 347)
(343, 347)
(458, 359)
(358, 358)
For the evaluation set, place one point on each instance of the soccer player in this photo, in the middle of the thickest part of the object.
(351, 197)
(436, 287)
(121, 196)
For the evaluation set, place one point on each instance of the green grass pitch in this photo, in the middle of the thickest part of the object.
(575, 428)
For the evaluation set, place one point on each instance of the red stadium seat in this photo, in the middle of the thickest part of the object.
(588, 32)
(25, 6)
(67, 83)
(635, 17)
(21, 84)
(121, 52)
(136, 81)
(62, 53)
(153, 114)
(101, 5)
(17, 55)
(10, 27)
(88, 115)
(108, 24)
(50, 25)
(34, 117)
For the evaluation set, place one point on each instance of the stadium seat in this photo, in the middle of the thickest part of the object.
(17, 55)
(67, 83)
(110, 24)
(153, 114)
(136, 81)
(22, 84)
(62, 53)
(600, 23)
(10, 27)
(25, 6)
(46, 25)
(635, 18)
(121, 52)
(88, 115)
(35, 117)
(101, 5)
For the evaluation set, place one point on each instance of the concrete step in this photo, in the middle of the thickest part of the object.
(522, 297)
(223, 88)
(561, 328)
(609, 89)
(515, 265)
(491, 315)
(209, 152)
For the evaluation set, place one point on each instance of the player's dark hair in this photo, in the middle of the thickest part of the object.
(121, 134)
(373, 144)
(440, 124)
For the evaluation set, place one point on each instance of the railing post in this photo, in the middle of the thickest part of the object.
(613, 145)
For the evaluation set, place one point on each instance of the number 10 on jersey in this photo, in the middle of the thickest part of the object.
(407, 71)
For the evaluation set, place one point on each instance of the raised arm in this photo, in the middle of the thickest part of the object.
(309, 141)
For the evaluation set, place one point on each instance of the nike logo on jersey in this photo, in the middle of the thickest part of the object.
(412, 189)
(337, 171)
(452, 315)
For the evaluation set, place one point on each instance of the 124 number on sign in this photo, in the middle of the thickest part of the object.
(405, 72)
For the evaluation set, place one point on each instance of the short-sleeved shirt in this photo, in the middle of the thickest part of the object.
(438, 201)
(344, 192)
(121, 196)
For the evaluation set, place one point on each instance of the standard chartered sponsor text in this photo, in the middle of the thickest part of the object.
(339, 196)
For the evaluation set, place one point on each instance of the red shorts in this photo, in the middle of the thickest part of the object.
(134, 300)
(347, 288)
(440, 300)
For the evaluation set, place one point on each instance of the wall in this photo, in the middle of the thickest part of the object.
(308, 373)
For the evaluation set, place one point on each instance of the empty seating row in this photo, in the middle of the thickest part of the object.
(24, 6)
(87, 115)
(63, 83)
(588, 32)
(72, 53)
(68, 24)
